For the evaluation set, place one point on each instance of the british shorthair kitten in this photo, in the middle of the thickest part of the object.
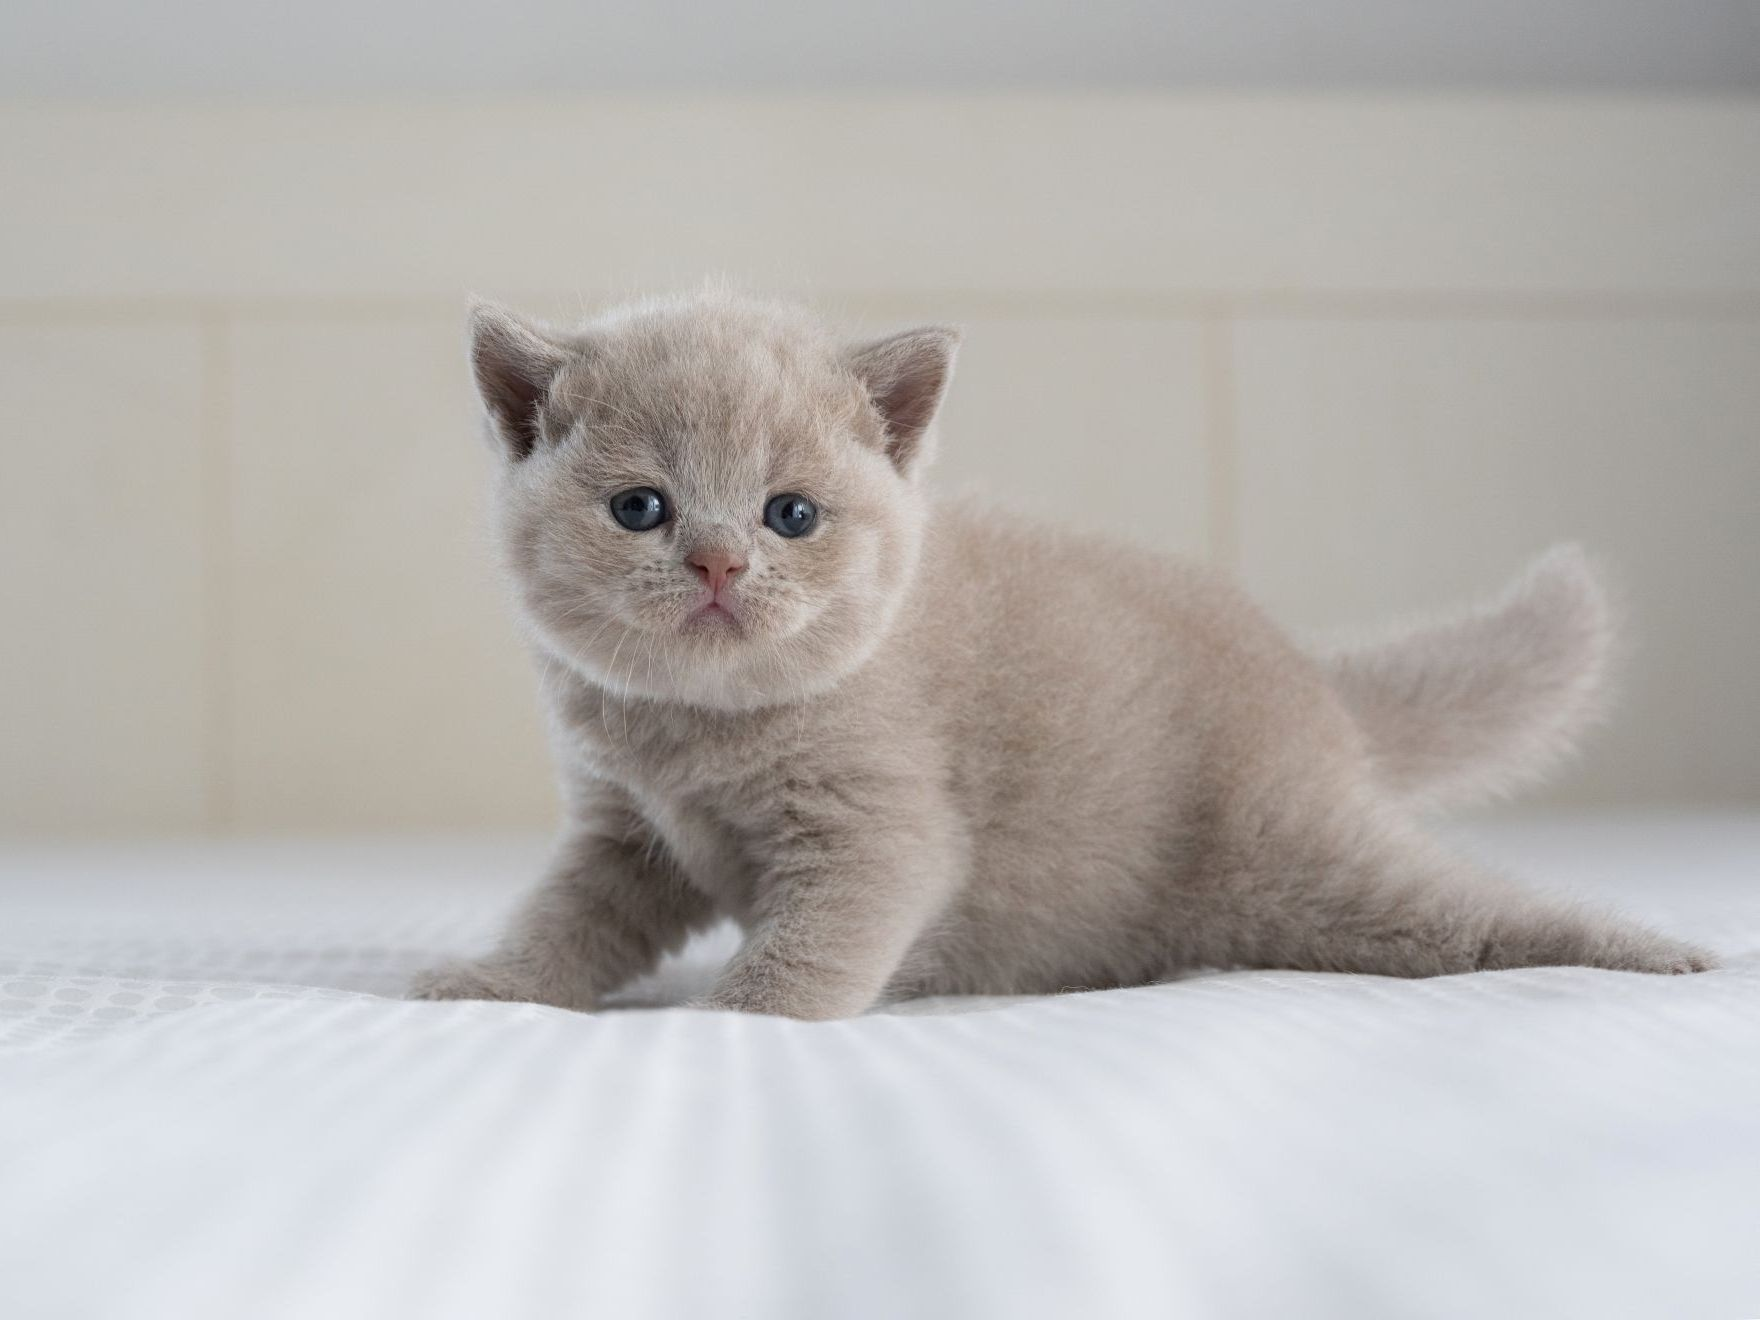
(915, 747)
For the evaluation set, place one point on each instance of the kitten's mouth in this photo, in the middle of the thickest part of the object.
(712, 613)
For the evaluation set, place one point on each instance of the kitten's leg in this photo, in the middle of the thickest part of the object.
(609, 907)
(837, 915)
(1379, 897)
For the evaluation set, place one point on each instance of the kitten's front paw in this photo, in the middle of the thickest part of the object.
(503, 981)
(455, 979)
(460, 978)
(804, 1004)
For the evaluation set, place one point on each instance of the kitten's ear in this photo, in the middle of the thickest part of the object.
(906, 376)
(514, 364)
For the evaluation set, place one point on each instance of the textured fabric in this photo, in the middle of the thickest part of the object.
(210, 1106)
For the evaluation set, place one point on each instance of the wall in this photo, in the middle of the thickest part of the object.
(1372, 354)
(108, 49)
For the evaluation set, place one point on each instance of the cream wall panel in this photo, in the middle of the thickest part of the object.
(104, 648)
(287, 549)
(1390, 465)
(1132, 195)
(1097, 422)
(378, 679)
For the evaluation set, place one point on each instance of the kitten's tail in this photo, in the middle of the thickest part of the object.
(1477, 705)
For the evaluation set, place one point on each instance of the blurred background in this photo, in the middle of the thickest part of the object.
(1366, 301)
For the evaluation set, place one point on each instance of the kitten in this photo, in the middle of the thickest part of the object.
(914, 748)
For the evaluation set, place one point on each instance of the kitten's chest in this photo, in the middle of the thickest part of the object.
(706, 788)
(712, 854)
(714, 833)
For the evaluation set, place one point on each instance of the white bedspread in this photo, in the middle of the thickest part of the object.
(212, 1105)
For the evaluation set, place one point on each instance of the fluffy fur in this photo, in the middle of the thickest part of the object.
(927, 749)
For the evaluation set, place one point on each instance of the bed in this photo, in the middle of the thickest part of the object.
(213, 1104)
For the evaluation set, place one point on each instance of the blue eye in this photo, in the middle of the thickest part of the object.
(641, 509)
(791, 515)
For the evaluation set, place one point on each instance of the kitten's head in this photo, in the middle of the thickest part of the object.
(709, 500)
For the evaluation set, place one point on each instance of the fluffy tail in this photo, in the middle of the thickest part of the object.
(1474, 706)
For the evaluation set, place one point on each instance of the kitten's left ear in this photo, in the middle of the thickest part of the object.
(906, 376)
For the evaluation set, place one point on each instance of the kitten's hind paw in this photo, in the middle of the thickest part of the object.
(1666, 957)
(1634, 949)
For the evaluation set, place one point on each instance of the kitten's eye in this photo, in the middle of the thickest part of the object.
(641, 509)
(791, 515)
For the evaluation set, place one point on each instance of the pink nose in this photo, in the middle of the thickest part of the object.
(715, 567)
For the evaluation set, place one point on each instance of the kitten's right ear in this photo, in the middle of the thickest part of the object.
(514, 365)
